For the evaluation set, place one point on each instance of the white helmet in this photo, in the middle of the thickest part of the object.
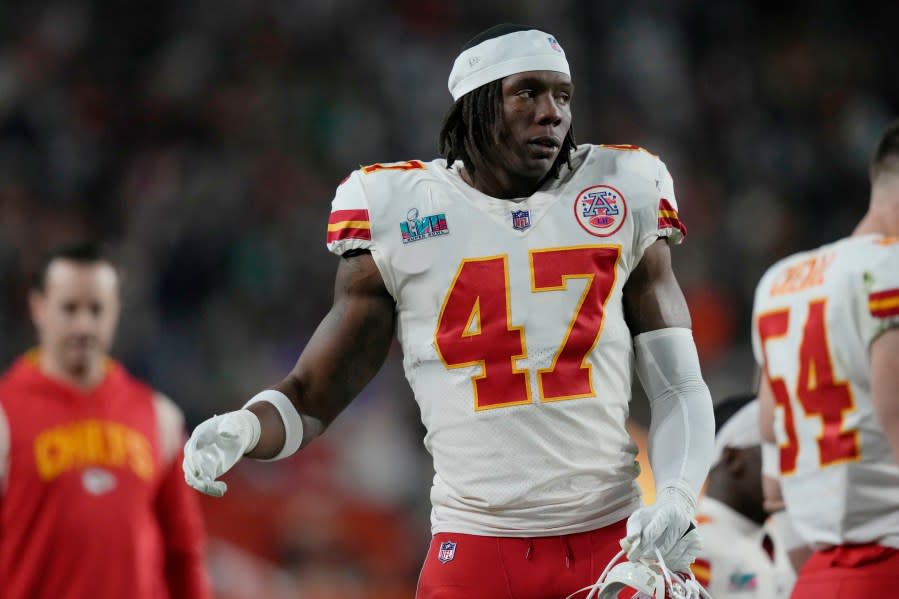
(650, 579)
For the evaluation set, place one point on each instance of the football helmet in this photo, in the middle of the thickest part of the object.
(649, 579)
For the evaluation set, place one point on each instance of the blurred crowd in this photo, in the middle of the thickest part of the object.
(203, 140)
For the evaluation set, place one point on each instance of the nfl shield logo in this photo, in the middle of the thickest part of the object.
(521, 220)
(447, 551)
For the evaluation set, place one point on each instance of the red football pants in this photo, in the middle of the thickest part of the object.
(849, 572)
(480, 567)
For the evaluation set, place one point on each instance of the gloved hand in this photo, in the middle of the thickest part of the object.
(215, 446)
(662, 526)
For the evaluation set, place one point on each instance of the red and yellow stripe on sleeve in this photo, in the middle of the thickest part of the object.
(884, 303)
(702, 570)
(349, 224)
(668, 218)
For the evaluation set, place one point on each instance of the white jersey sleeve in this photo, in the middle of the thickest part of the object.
(659, 219)
(349, 225)
(879, 309)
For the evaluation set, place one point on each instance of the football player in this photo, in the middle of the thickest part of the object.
(743, 553)
(826, 332)
(525, 276)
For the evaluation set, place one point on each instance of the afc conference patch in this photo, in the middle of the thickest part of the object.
(600, 210)
(447, 552)
(521, 219)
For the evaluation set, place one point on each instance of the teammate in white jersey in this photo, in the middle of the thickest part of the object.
(743, 556)
(826, 332)
(525, 277)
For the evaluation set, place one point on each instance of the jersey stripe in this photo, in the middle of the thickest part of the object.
(339, 216)
(702, 569)
(668, 218)
(672, 223)
(349, 224)
(884, 303)
(349, 233)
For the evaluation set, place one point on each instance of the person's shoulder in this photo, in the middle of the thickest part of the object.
(388, 176)
(861, 259)
(788, 262)
(121, 378)
(20, 374)
(873, 275)
(170, 421)
(372, 187)
(625, 157)
(867, 252)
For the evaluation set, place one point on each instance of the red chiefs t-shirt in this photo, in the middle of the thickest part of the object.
(89, 509)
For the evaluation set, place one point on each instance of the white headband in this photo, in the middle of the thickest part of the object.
(499, 57)
(740, 431)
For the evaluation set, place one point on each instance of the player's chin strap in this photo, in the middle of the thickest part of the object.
(648, 579)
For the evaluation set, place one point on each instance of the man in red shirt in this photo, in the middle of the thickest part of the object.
(92, 501)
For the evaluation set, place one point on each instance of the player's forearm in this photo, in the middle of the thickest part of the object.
(681, 435)
(273, 432)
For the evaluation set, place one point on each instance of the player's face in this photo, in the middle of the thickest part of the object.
(752, 482)
(77, 313)
(536, 119)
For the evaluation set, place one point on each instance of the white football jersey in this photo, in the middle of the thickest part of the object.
(815, 316)
(511, 322)
(733, 562)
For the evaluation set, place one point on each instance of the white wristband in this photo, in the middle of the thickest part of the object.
(251, 424)
(293, 424)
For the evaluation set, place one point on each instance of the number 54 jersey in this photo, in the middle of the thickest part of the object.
(512, 326)
(816, 314)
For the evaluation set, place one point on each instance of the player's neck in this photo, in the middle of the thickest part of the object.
(84, 379)
(879, 220)
(500, 184)
(883, 212)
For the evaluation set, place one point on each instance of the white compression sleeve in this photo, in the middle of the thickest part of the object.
(682, 432)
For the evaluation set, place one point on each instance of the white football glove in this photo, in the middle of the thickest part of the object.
(661, 526)
(215, 446)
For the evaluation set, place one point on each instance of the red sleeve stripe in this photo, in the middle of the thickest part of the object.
(667, 222)
(884, 303)
(349, 224)
(349, 233)
(668, 218)
(665, 205)
(348, 215)
(702, 570)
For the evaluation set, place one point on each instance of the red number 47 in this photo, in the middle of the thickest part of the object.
(475, 324)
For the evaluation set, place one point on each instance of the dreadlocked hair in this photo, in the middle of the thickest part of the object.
(473, 123)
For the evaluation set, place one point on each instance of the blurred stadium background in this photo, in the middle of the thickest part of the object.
(203, 140)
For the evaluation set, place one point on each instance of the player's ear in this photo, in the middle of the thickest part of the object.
(733, 460)
(37, 307)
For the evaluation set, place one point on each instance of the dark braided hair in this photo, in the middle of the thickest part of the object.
(473, 123)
